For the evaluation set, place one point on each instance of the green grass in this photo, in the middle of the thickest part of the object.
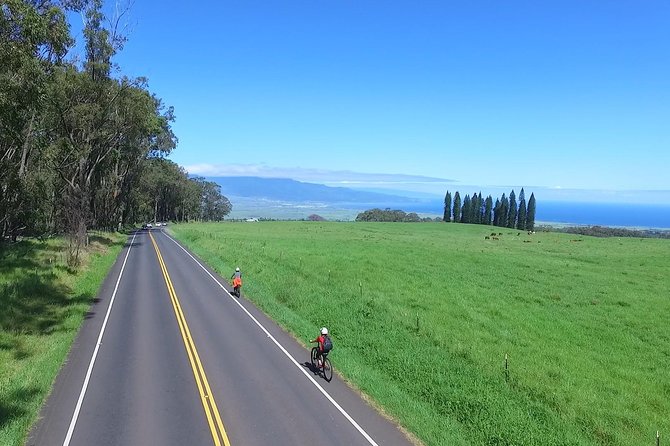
(422, 316)
(42, 305)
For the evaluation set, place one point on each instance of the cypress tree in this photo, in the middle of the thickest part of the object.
(465, 211)
(447, 207)
(488, 207)
(521, 221)
(474, 208)
(496, 212)
(504, 211)
(457, 208)
(480, 208)
(511, 216)
(530, 215)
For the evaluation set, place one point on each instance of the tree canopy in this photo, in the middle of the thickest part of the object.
(82, 145)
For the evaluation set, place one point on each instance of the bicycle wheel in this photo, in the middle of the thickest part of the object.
(327, 370)
(315, 352)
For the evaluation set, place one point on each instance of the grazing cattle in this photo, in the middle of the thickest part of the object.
(518, 234)
(496, 238)
(493, 233)
(486, 237)
(500, 233)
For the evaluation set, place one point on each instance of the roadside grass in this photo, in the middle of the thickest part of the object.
(422, 316)
(42, 305)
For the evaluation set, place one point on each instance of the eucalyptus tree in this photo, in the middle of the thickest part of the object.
(105, 128)
(34, 37)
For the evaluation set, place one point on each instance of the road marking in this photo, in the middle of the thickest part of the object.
(75, 415)
(206, 395)
(281, 347)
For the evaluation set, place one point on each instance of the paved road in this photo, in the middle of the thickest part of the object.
(166, 356)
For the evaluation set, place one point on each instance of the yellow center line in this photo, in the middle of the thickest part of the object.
(206, 396)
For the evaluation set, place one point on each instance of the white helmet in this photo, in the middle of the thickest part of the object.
(324, 331)
(237, 269)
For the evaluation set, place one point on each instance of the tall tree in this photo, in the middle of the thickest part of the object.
(497, 211)
(488, 207)
(530, 216)
(447, 207)
(465, 209)
(479, 209)
(457, 207)
(214, 205)
(504, 210)
(521, 219)
(34, 38)
(511, 216)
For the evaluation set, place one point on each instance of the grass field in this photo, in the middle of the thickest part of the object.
(42, 305)
(422, 316)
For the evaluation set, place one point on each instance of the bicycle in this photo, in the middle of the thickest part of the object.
(323, 367)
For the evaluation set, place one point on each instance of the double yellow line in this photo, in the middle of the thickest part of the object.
(206, 396)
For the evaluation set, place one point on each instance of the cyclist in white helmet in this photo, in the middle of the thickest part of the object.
(237, 281)
(325, 345)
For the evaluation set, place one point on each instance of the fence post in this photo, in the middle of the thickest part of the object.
(506, 369)
(658, 439)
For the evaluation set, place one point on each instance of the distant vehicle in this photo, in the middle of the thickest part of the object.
(146, 226)
(253, 219)
(158, 224)
(164, 223)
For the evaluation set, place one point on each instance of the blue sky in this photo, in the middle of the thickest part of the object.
(569, 96)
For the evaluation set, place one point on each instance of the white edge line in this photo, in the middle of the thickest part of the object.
(75, 415)
(300, 367)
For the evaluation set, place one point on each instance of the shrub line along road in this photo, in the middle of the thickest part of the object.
(167, 356)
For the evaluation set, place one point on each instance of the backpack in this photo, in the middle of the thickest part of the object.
(327, 344)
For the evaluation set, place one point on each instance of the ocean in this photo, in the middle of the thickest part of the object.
(605, 214)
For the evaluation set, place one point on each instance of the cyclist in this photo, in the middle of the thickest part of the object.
(237, 281)
(325, 345)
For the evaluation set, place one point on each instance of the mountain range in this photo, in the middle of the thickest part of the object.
(283, 189)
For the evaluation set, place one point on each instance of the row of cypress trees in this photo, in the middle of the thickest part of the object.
(506, 212)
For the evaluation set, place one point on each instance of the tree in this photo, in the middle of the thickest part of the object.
(34, 38)
(530, 216)
(214, 205)
(497, 211)
(457, 207)
(387, 215)
(447, 207)
(465, 209)
(104, 128)
(504, 211)
(511, 215)
(488, 207)
(521, 220)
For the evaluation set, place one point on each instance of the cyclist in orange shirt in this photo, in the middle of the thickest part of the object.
(237, 281)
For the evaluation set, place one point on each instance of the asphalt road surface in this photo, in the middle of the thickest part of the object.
(166, 356)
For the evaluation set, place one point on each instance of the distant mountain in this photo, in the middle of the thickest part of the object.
(282, 189)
